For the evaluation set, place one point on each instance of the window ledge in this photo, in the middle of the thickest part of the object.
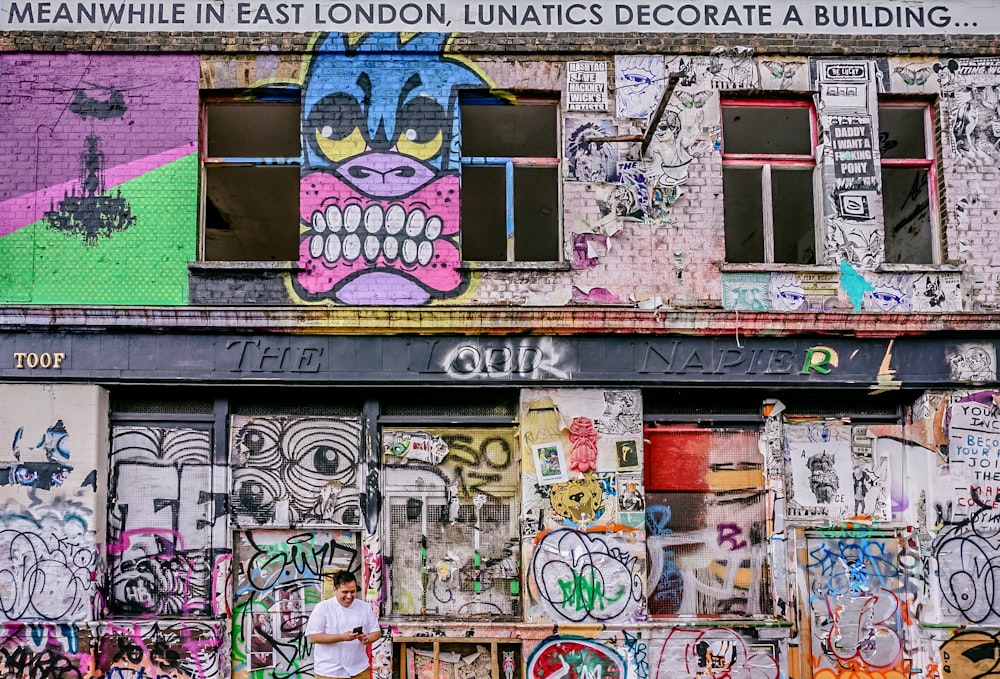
(760, 267)
(219, 266)
(514, 266)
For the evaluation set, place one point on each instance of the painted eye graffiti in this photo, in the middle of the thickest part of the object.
(337, 122)
(420, 125)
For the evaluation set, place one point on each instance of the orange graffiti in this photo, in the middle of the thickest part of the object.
(827, 673)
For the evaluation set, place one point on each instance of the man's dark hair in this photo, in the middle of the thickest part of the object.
(343, 577)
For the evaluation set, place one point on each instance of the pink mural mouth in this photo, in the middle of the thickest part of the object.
(394, 250)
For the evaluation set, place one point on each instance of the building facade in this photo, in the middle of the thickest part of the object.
(600, 340)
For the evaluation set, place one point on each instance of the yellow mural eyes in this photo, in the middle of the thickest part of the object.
(410, 144)
(338, 149)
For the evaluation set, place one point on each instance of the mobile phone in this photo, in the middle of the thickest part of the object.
(357, 630)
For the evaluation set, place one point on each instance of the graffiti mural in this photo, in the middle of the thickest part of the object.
(279, 577)
(718, 653)
(112, 132)
(452, 500)
(295, 471)
(167, 650)
(569, 656)
(855, 613)
(45, 651)
(379, 196)
(167, 529)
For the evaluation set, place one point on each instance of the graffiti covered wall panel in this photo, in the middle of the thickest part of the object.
(168, 540)
(280, 575)
(583, 529)
(452, 500)
(295, 471)
(705, 522)
(49, 532)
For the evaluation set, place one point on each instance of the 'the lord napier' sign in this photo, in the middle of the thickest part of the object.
(699, 16)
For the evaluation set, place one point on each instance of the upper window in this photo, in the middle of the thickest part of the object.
(768, 162)
(909, 183)
(250, 179)
(510, 179)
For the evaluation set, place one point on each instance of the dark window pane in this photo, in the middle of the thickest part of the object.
(509, 131)
(743, 215)
(253, 129)
(906, 206)
(764, 130)
(251, 213)
(901, 132)
(792, 196)
(536, 214)
(484, 220)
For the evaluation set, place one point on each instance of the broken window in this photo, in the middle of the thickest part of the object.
(510, 179)
(768, 163)
(250, 179)
(909, 182)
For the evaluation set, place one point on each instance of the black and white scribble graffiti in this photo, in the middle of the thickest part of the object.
(582, 577)
(590, 161)
(167, 529)
(48, 562)
(294, 471)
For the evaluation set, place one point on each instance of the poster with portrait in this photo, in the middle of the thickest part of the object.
(550, 463)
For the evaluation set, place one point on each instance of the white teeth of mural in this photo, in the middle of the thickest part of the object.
(382, 226)
(319, 222)
(424, 252)
(391, 248)
(332, 250)
(415, 223)
(374, 218)
(434, 228)
(352, 247)
(394, 219)
(371, 248)
(334, 220)
(409, 251)
(352, 219)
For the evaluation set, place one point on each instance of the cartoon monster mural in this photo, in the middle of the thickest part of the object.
(379, 195)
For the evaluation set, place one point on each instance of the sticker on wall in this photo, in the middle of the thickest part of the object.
(628, 454)
(639, 84)
(550, 463)
(781, 75)
(890, 292)
(940, 292)
(746, 291)
(590, 161)
(972, 362)
(732, 68)
(621, 413)
(630, 497)
(822, 471)
(587, 86)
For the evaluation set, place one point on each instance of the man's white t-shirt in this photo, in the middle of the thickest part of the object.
(343, 658)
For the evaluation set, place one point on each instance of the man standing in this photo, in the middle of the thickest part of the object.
(341, 628)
